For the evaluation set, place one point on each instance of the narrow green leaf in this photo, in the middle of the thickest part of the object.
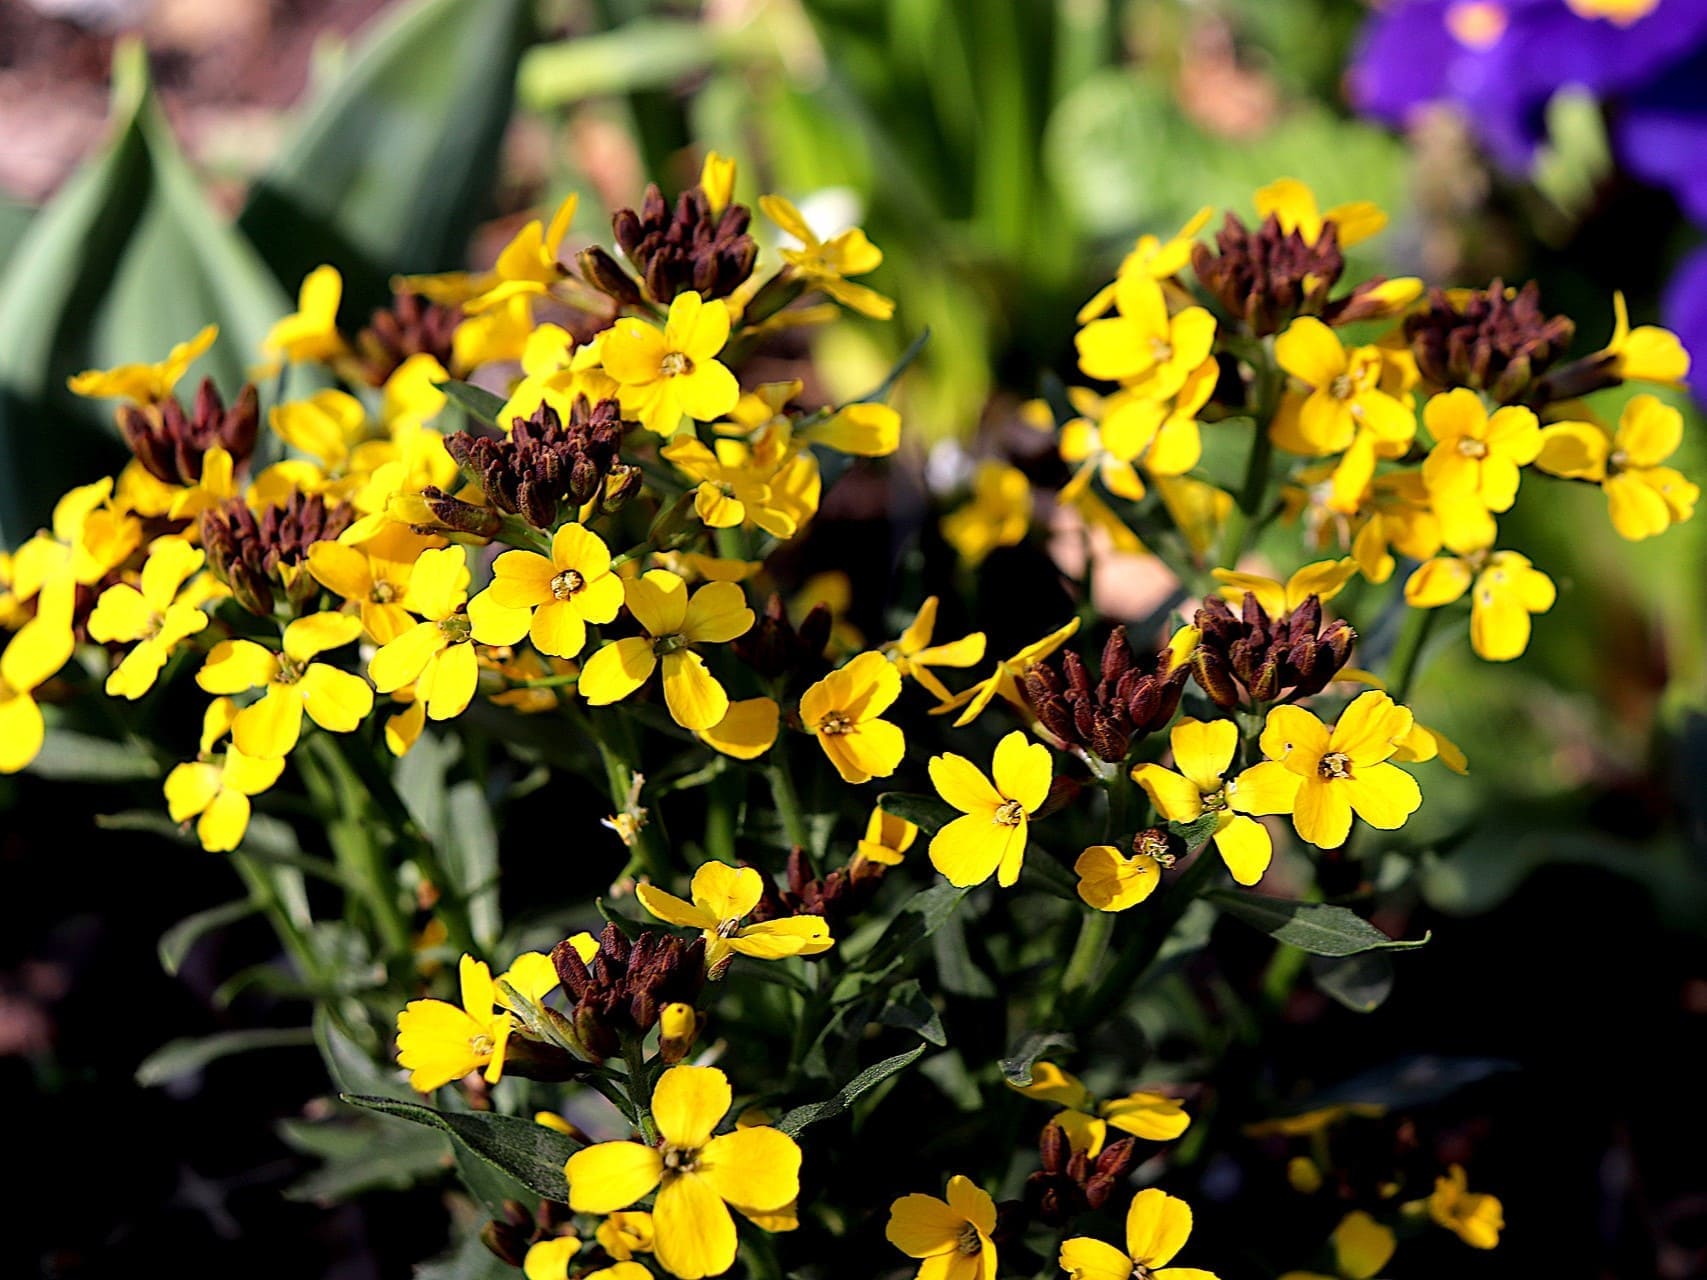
(793, 1121)
(530, 1153)
(649, 53)
(176, 942)
(921, 916)
(361, 1153)
(392, 167)
(1315, 927)
(911, 1009)
(955, 968)
(181, 1057)
(1417, 1080)
(927, 813)
(1016, 1067)
(1361, 983)
(67, 756)
(478, 402)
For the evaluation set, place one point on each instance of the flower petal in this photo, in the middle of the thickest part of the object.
(688, 1103)
(611, 1176)
(757, 1168)
(695, 1236)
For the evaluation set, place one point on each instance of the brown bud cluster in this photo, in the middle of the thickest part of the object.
(837, 897)
(1070, 1182)
(410, 326)
(512, 1235)
(1263, 279)
(1495, 340)
(454, 515)
(171, 443)
(258, 556)
(544, 463)
(622, 989)
(1125, 701)
(687, 247)
(1266, 656)
(774, 647)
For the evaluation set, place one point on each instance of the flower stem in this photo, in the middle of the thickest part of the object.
(787, 799)
(1403, 669)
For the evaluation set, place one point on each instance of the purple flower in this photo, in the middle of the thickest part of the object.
(1685, 306)
(1660, 134)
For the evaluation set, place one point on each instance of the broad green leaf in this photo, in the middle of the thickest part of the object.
(927, 813)
(1361, 983)
(176, 942)
(1195, 832)
(126, 260)
(14, 221)
(181, 1057)
(530, 1153)
(955, 967)
(392, 167)
(796, 1119)
(644, 54)
(1016, 1067)
(1315, 927)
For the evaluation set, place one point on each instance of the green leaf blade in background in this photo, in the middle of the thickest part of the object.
(793, 1121)
(1316, 927)
(392, 168)
(125, 261)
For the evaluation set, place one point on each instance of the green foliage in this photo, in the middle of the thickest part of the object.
(794, 1120)
(1315, 927)
(530, 1153)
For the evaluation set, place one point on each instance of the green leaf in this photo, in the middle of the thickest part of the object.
(1016, 1067)
(67, 756)
(1361, 983)
(644, 54)
(911, 1009)
(181, 1057)
(1198, 830)
(927, 813)
(530, 1153)
(793, 1121)
(1043, 872)
(127, 259)
(1405, 1083)
(478, 402)
(1315, 927)
(14, 221)
(921, 916)
(955, 968)
(393, 166)
(361, 1153)
(176, 942)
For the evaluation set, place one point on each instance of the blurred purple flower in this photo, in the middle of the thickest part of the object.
(1684, 306)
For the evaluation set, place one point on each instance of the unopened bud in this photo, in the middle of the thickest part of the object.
(604, 273)
(678, 1027)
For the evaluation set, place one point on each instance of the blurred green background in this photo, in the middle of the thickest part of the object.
(1004, 154)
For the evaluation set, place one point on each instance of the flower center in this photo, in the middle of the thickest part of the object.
(835, 724)
(1154, 844)
(567, 583)
(481, 1044)
(674, 364)
(968, 1241)
(1470, 447)
(1010, 813)
(1336, 764)
(290, 670)
(663, 646)
(680, 1159)
(1161, 349)
(1342, 387)
(1617, 462)
(728, 928)
(382, 593)
(456, 629)
(1215, 800)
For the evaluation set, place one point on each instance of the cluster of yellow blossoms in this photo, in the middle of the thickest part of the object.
(552, 492)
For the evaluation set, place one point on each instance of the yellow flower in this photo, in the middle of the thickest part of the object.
(664, 374)
(1143, 346)
(549, 599)
(998, 515)
(1154, 1117)
(622, 1235)
(1323, 776)
(1397, 515)
(1004, 681)
(549, 1259)
(435, 655)
(311, 331)
(1294, 205)
(952, 1237)
(723, 896)
(864, 429)
(1475, 464)
(1203, 754)
(990, 835)
(748, 729)
(1345, 393)
(887, 839)
(826, 264)
(1643, 497)
(844, 712)
(438, 1042)
(40, 647)
(218, 795)
(335, 700)
(914, 655)
(373, 576)
(1157, 1227)
(736, 488)
(717, 180)
(1152, 257)
(144, 384)
(1362, 1247)
(150, 614)
(1323, 579)
(1647, 353)
(1618, 12)
(1505, 589)
(699, 1177)
(1475, 1217)
(327, 426)
(529, 264)
(1111, 881)
(674, 621)
(498, 334)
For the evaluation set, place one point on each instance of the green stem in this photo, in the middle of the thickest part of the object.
(1243, 523)
(346, 807)
(639, 1085)
(787, 798)
(621, 769)
(1403, 668)
(1095, 931)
